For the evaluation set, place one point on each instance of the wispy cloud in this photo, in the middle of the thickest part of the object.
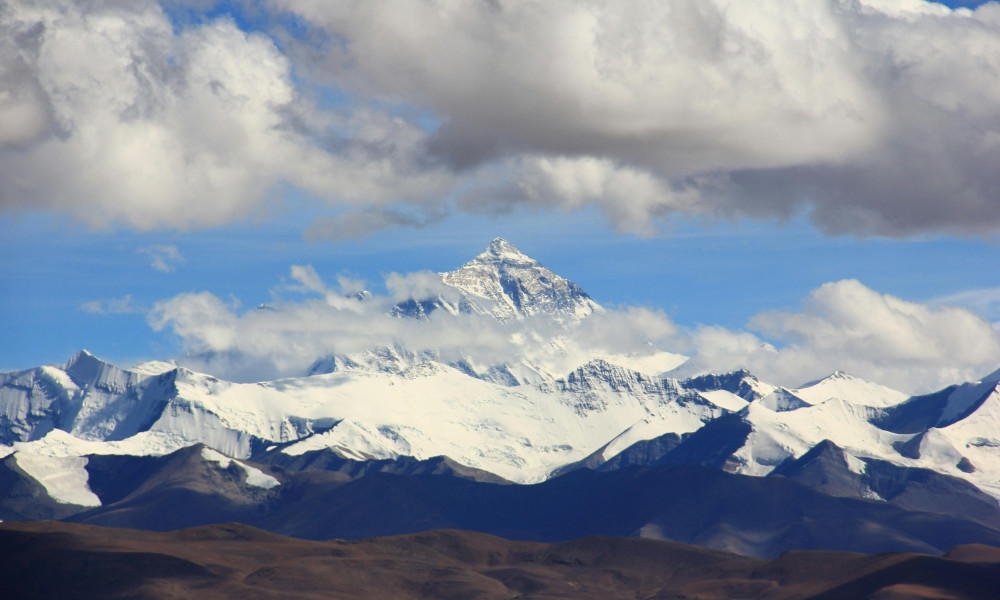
(113, 306)
(985, 301)
(164, 258)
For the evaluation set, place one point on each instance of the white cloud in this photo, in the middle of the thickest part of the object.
(844, 325)
(111, 115)
(419, 284)
(875, 116)
(163, 258)
(308, 279)
(349, 298)
(628, 196)
(204, 322)
(872, 116)
(286, 336)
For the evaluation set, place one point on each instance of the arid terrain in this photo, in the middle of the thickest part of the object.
(62, 560)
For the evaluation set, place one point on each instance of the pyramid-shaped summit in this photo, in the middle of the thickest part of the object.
(502, 251)
(507, 284)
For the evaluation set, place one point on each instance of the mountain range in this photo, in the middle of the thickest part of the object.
(392, 440)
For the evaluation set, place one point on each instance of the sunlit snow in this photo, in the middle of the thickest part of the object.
(255, 477)
(64, 478)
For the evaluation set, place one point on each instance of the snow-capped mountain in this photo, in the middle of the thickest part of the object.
(521, 433)
(520, 420)
(955, 432)
(86, 397)
(518, 432)
(504, 283)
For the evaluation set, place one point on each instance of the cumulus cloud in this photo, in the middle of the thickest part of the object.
(875, 117)
(110, 114)
(871, 116)
(845, 325)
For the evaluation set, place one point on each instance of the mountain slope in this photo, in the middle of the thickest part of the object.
(686, 503)
(831, 470)
(86, 397)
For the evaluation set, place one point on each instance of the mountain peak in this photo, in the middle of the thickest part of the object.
(501, 245)
(82, 354)
(83, 361)
(86, 369)
(837, 375)
(500, 251)
(507, 284)
(847, 387)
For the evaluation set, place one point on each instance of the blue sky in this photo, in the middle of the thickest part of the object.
(238, 143)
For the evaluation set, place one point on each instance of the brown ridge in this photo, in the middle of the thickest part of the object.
(64, 560)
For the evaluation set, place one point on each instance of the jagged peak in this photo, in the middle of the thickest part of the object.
(598, 368)
(500, 246)
(502, 251)
(598, 364)
(505, 283)
(81, 355)
(714, 379)
(84, 362)
(837, 375)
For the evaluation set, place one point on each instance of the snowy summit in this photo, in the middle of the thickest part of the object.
(507, 284)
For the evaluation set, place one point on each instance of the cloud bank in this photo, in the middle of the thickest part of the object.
(847, 326)
(842, 325)
(310, 320)
(871, 116)
(112, 115)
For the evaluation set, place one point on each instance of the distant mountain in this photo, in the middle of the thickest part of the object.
(520, 433)
(72, 434)
(829, 469)
(506, 284)
(686, 503)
